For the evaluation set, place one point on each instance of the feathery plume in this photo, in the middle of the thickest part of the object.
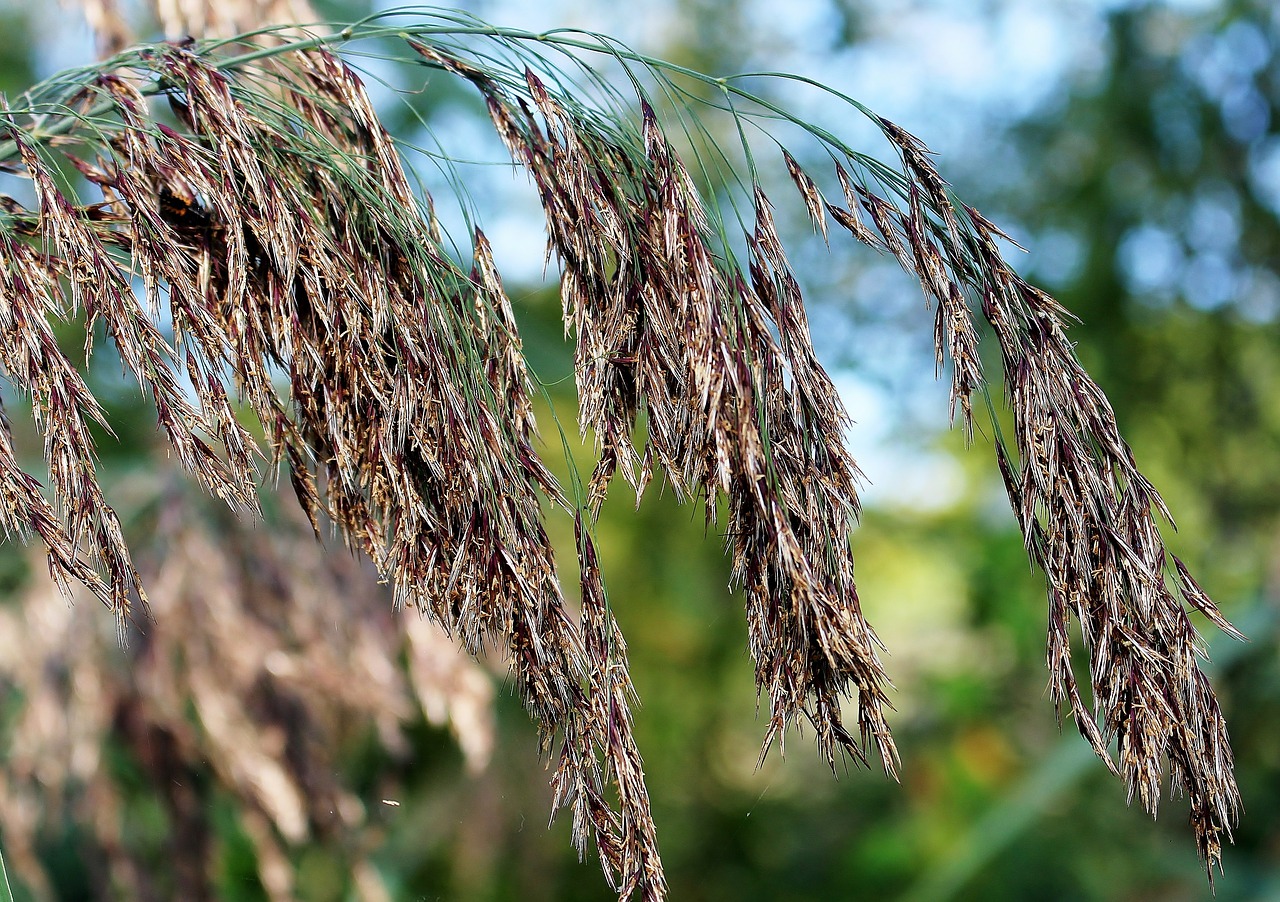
(269, 218)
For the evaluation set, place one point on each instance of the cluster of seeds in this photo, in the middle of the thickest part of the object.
(267, 221)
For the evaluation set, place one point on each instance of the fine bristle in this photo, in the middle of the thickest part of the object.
(265, 214)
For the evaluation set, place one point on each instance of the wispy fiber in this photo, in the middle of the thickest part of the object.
(266, 215)
(179, 19)
(1088, 516)
(667, 330)
(245, 683)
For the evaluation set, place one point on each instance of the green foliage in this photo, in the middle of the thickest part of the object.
(994, 803)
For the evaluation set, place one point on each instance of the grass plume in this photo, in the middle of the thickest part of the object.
(267, 216)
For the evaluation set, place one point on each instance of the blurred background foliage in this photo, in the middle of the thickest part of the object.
(1133, 148)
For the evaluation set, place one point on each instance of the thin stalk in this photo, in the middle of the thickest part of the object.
(6, 892)
(362, 31)
(283, 195)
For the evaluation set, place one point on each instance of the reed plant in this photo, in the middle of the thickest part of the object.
(237, 222)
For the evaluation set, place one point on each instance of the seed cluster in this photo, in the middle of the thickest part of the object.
(246, 683)
(257, 249)
(1087, 514)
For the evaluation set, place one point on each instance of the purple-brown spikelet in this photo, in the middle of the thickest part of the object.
(265, 217)
(665, 328)
(1089, 519)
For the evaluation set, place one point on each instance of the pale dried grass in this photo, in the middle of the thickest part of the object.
(267, 654)
(274, 225)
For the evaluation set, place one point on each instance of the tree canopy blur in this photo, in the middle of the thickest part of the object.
(361, 757)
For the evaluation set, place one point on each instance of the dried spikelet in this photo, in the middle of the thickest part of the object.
(954, 336)
(111, 32)
(226, 18)
(662, 328)
(275, 227)
(268, 652)
(850, 218)
(330, 274)
(1088, 517)
(809, 192)
(179, 19)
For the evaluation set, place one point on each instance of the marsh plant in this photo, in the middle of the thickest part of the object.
(232, 217)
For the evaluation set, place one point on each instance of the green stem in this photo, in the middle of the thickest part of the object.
(6, 893)
(366, 29)
(597, 44)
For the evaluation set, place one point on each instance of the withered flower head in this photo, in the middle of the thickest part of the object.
(267, 216)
